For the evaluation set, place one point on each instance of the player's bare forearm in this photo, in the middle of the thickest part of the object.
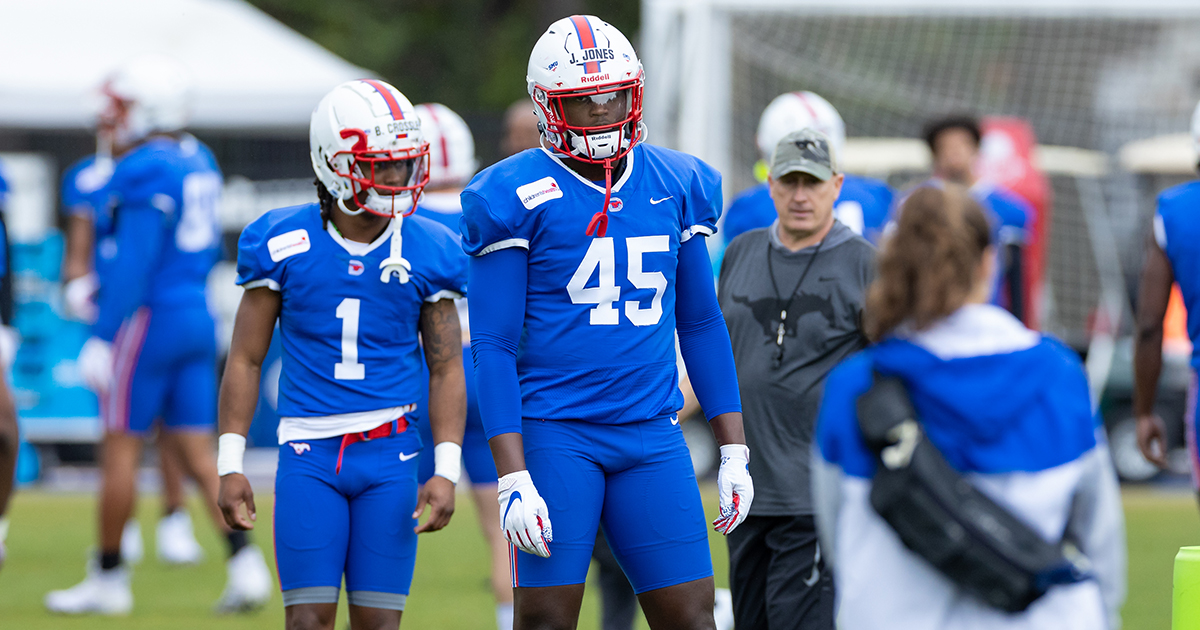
(508, 451)
(1154, 294)
(252, 330)
(442, 339)
(727, 428)
(9, 441)
(79, 248)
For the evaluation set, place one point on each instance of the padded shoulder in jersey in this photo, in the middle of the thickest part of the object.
(150, 176)
(501, 204)
(270, 240)
(699, 182)
(1181, 198)
(444, 263)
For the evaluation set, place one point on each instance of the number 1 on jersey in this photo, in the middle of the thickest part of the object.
(349, 369)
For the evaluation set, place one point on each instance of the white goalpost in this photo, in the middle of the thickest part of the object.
(1090, 76)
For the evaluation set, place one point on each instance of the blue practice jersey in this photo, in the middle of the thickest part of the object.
(349, 339)
(1177, 231)
(1011, 215)
(83, 188)
(443, 207)
(599, 330)
(163, 198)
(864, 206)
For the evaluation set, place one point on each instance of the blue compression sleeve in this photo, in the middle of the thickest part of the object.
(496, 283)
(703, 336)
(139, 240)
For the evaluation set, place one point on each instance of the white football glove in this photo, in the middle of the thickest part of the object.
(735, 489)
(523, 514)
(96, 365)
(79, 298)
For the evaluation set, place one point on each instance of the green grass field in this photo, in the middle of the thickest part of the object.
(52, 532)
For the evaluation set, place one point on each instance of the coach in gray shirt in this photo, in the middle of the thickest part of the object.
(792, 295)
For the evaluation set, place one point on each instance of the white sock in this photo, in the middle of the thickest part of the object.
(504, 616)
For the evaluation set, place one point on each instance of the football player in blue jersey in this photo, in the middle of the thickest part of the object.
(352, 280)
(451, 164)
(152, 351)
(89, 220)
(954, 143)
(1172, 256)
(864, 204)
(588, 257)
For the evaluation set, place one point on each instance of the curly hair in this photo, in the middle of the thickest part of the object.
(325, 199)
(928, 265)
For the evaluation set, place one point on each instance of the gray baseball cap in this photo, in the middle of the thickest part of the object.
(804, 151)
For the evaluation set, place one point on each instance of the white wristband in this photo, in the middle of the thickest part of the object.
(231, 449)
(3, 529)
(735, 451)
(447, 461)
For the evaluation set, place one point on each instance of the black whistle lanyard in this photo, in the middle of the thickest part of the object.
(784, 308)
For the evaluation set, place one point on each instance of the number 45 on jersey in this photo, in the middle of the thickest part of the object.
(601, 255)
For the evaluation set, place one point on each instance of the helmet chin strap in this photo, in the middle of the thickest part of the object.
(599, 222)
(395, 262)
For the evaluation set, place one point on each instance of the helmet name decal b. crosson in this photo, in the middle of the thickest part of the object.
(360, 131)
(583, 57)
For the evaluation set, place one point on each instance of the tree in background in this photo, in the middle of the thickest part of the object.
(468, 54)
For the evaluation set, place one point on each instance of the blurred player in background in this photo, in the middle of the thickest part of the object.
(89, 221)
(10, 438)
(586, 262)
(451, 164)
(863, 204)
(152, 351)
(954, 143)
(352, 283)
(618, 602)
(1172, 256)
(1007, 407)
(520, 129)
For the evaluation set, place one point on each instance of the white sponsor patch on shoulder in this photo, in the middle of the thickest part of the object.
(288, 244)
(536, 193)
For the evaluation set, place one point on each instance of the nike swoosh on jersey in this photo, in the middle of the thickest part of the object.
(405, 458)
(655, 202)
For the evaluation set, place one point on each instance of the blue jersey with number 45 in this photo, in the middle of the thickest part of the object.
(162, 215)
(599, 332)
(349, 339)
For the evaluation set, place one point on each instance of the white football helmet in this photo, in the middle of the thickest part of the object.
(451, 148)
(584, 57)
(1196, 131)
(794, 111)
(146, 95)
(357, 127)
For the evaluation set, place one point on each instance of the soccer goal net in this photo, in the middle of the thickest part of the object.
(1088, 76)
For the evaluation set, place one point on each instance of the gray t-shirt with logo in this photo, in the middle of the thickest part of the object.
(824, 325)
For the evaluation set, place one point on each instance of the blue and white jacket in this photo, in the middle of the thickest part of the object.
(1009, 408)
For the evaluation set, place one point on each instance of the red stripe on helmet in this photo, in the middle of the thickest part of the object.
(583, 29)
(441, 136)
(811, 111)
(391, 101)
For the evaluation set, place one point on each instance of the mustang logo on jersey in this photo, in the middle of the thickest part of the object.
(615, 205)
(536, 193)
(356, 268)
(299, 447)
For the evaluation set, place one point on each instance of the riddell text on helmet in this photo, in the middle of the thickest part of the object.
(592, 79)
